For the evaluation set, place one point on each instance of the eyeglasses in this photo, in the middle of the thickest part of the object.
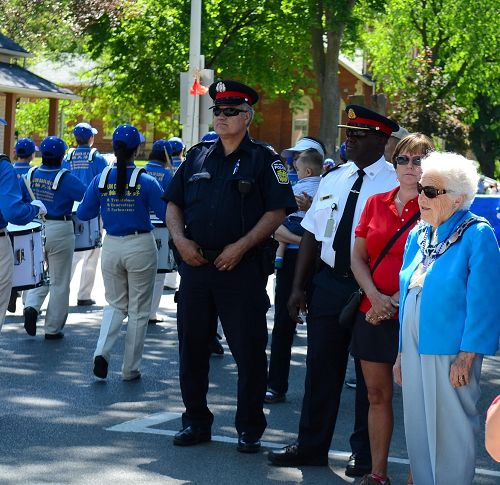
(430, 192)
(358, 133)
(405, 160)
(228, 111)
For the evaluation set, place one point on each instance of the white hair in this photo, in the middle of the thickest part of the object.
(248, 108)
(459, 174)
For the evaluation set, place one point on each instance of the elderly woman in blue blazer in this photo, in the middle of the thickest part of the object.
(449, 282)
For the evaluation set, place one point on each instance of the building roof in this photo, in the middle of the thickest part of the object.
(9, 47)
(355, 68)
(68, 70)
(15, 79)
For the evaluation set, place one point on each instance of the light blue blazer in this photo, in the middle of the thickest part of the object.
(460, 301)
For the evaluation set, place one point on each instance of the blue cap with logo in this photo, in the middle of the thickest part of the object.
(177, 144)
(210, 136)
(129, 135)
(25, 147)
(53, 147)
(84, 131)
(161, 145)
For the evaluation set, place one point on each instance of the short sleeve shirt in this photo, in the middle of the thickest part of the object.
(223, 197)
(378, 223)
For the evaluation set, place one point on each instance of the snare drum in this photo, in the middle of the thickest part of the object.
(166, 262)
(29, 260)
(87, 233)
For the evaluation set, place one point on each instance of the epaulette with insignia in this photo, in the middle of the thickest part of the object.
(200, 144)
(265, 145)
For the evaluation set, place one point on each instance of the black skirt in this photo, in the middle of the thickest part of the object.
(375, 343)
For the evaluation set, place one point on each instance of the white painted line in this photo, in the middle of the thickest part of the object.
(143, 425)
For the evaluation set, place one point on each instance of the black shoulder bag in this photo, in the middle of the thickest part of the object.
(348, 314)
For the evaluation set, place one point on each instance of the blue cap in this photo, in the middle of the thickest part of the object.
(53, 147)
(2, 121)
(25, 147)
(161, 145)
(210, 136)
(177, 144)
(129, 135)
(84, 131)
(342, 151)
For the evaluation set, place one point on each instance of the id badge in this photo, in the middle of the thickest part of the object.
(330, 226)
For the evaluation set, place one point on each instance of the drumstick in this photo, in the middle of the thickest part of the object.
(169, 163)
(32, 195)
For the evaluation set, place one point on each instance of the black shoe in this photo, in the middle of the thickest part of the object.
(356, 468)
(154, 321)
(100, 367)
(273, 397)
(30, 316)
(192, 436)
(246, 444)
(12, 301)
(291, 456)
(54, 336)
(215, 347)
(89, 302)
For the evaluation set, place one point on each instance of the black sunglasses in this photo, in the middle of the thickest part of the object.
(429, 191)
(405, 160)
(353, 132)
(228, 111)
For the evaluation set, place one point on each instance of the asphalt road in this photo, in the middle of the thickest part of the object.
(59, 425)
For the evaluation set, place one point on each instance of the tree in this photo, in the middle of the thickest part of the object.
(435, 57)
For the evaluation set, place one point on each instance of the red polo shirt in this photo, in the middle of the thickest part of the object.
(379, 222)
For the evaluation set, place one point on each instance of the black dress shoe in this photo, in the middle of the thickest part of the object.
(192, 436)
(12, 301)
(100, 367)
(88, 302)
(30, 316)
(291, 456)
(273, 397)
(247, 444)
(357, 468)
(54, 336)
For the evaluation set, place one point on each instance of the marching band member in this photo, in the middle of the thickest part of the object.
(14, 210)
(158, 167)
(58, 189)
(125, 196)
(85, 163)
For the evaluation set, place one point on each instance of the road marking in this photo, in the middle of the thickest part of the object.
(144, 425)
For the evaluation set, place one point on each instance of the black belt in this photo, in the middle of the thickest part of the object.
(58, 218)
(141, 231)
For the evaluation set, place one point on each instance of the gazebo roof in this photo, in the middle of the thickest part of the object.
(9, 47)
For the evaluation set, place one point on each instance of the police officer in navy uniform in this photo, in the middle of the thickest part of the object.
(224, 203)
(331, 222)
(85, 163)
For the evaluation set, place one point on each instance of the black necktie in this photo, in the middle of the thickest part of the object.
(342, 241)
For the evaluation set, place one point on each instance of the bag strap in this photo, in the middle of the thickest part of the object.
(394, 238)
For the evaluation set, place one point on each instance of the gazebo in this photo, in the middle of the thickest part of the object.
(16, 82)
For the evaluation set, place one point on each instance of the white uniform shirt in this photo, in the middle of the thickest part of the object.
(331, 197)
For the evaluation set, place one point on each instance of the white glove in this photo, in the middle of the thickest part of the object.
(41, 206)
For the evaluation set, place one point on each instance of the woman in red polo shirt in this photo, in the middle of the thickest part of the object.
(376, 331)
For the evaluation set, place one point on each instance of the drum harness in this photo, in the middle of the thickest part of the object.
(90, 158)
(132, 185)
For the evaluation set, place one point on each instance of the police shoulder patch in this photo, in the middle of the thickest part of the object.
(280, 172)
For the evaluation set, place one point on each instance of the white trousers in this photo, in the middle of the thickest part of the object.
(6, 270)
(171, 279)
(157, 292)
(89, 267)
(59, 247)
(128, 267)
(441, 422)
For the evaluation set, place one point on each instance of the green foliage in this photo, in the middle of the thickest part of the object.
(32, 118)
(434, 58)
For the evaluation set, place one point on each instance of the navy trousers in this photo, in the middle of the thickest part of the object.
(239, 298)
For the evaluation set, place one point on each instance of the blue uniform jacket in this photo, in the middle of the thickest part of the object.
(58, 202)
(12, 207)
(21, 168)
(159, 172)
(124, 216)
(459, 302)
(80, 165)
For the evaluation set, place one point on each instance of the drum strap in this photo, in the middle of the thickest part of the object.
(58, 177)
(103, 180)
(90, 156)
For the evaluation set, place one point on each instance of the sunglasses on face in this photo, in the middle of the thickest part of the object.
(429, 191)
(357, 133)
(228, 111)
(405, 160)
